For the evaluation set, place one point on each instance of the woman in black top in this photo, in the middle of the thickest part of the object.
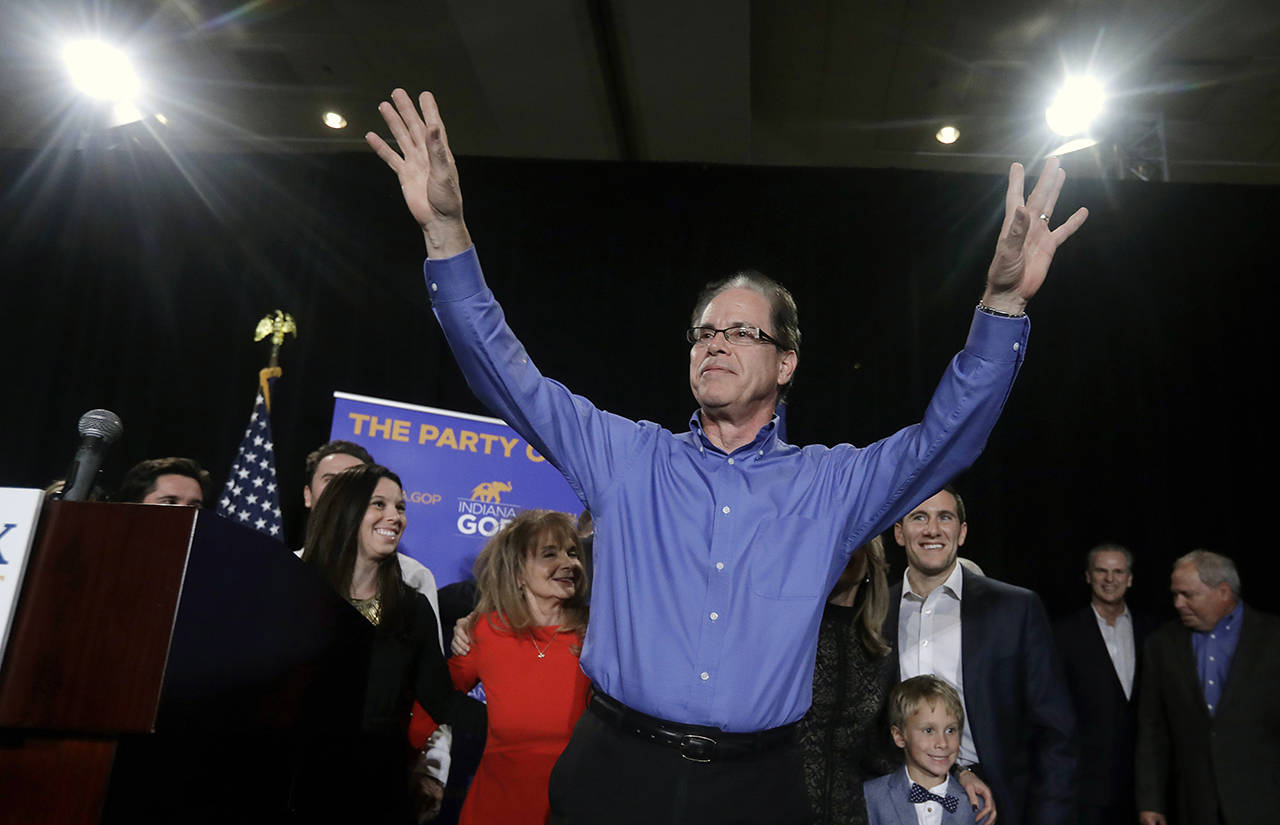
(352, 537)
(844, 737)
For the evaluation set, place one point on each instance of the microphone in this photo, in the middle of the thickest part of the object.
(99, 429)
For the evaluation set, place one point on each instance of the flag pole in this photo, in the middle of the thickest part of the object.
(252, 494)
(277, 326)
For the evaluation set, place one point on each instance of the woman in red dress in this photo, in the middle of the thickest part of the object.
(525, 637)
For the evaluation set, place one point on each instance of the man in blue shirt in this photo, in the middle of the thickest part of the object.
(714, 548)
(1208, 750)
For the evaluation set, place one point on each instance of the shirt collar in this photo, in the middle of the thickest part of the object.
(1230, 622)
(939, 789)
(1125, 615)
(954, 583)
(763, 442)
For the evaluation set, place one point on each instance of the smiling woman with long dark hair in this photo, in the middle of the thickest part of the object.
(355, 527)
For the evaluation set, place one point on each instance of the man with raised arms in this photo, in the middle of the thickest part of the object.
(715, 548)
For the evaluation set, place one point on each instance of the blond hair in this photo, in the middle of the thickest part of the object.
(500, 567)
(907, 696)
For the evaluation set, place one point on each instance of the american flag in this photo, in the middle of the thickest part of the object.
(251, 496)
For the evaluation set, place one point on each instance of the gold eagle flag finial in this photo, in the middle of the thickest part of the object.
(277, 326)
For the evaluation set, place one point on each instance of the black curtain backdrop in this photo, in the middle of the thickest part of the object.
(134, 279)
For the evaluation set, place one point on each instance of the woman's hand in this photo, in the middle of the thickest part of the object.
(461, 644)
(979, 794)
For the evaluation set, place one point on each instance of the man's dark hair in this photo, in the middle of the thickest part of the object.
(1108, 547)
(141, 478)
(331, 448)
(784, 317)
(954, 494)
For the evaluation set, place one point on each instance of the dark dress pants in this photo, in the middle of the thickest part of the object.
(608, 777)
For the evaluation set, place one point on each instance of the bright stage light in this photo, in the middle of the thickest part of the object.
(334, 120)
(101, 71)
(1075, 107)
(948, 134)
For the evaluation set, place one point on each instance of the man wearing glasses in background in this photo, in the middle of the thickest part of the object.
(714, 548)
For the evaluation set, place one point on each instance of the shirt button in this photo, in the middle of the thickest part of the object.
(1212, 636)
(1211, 681)
(714, 615)
(705, 676)
(719, 565)
(435, 287)
(1212, 659)
(925, 643)
(927, 612)
(731, 461)
(725, 509)
(1016, 346)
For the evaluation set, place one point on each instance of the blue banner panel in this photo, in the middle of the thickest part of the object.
(464, 476)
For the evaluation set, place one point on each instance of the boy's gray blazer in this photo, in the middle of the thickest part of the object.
(887, 802)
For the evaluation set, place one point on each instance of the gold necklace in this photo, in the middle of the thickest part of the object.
(370, 608)
(542, 653)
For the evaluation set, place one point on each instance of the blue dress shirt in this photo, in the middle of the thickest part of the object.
(1214, 651)
(711, 569)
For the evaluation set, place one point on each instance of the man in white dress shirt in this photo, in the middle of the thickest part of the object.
(992, 642)
(1100, 645)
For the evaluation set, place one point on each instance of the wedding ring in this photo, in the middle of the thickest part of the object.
(1044, 217)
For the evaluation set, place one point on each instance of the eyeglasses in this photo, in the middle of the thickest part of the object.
(738, 336)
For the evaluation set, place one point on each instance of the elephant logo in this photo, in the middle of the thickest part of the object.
(491, 491)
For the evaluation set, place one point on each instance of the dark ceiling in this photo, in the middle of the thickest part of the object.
(1196, 84)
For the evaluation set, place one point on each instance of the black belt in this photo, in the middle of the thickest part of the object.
(696, 743)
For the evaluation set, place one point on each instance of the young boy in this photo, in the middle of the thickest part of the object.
(925, 717)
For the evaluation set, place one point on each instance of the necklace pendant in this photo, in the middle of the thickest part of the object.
(542, 655)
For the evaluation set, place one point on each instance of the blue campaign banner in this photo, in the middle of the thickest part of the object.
(464, 476)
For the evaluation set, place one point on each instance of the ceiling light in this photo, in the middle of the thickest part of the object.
(948, 134)
(101, 71)
(1075, 107)
(334, 120)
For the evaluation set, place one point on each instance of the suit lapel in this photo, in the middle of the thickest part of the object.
(1248, 651)
(973, 629)
(1184, 667)
(902, 806)
(975, 636)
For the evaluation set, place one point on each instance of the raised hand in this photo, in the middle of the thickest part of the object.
(428, 175)
(1027, 245)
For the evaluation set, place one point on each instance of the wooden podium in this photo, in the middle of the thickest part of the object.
(168, 665)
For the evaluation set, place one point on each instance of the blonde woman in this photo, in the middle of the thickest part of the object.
(525, 637)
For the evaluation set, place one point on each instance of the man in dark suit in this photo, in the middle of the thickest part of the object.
(1101, 649)
(992, 642)
(1208, 748)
